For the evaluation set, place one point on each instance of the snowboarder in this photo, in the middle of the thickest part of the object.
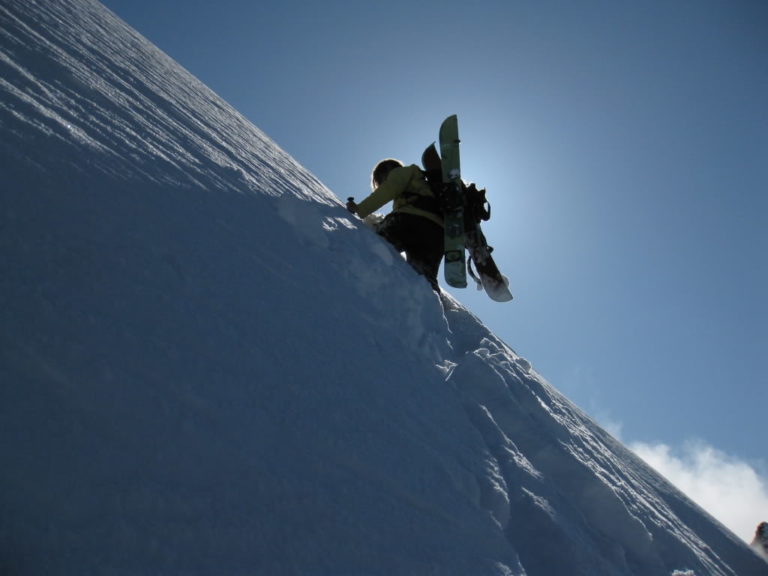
(760, 543)
(415, 225)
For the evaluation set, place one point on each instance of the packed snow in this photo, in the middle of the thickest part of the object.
(208, 366)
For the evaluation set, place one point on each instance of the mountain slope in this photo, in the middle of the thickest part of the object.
(208, 366)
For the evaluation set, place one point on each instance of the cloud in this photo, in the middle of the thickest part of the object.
(726, 487)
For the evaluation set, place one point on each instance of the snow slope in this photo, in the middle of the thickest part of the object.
(208, 367)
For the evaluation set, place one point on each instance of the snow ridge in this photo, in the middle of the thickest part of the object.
(208, 366)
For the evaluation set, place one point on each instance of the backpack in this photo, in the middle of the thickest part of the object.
(476, 207)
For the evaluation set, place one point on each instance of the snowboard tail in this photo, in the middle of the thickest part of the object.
(488, 276)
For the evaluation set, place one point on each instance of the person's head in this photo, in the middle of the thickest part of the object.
(382, 170)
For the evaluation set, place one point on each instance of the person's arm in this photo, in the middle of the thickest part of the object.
(391, 188)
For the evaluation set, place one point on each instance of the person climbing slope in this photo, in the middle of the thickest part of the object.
(415, 224)
(760, 542)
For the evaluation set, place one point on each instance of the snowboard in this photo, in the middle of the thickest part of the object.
(489, 278)
(473, 240)
(454, 269)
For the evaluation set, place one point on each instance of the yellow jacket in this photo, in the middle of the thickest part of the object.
(409, 192)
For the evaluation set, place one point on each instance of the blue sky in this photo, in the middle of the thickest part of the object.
(624, 146)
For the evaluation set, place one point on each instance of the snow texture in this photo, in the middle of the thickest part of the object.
(207, 366)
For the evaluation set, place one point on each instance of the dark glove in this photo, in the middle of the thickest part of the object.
(351, 205)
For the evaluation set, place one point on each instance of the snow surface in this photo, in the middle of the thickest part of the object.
(207, 366)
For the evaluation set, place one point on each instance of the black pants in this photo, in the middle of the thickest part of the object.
(420, 239)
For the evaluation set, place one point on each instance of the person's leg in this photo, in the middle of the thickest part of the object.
(420, 239)
(426, 254)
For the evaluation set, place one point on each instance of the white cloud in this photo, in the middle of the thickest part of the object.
(726, 487)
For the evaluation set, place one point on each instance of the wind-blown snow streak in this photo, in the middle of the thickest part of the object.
(208, 366)
(107, 93)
